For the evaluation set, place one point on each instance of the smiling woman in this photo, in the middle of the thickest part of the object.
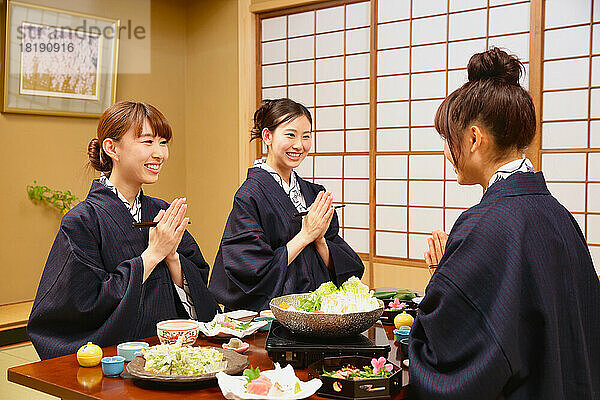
(105, 281)
(266, 251)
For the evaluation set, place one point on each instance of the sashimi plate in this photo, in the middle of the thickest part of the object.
(234, 387)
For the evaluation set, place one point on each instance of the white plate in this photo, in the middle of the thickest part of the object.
(211, 329)
(233, 388)
(239, 314)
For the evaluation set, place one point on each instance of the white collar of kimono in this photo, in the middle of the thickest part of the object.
(292, 190)
(136, 209)
(522, 165)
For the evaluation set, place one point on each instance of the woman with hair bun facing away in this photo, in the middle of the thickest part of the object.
(266, 250)
(106, 281)
(512, 310)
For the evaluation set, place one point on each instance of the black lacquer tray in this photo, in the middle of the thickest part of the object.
(376, 388)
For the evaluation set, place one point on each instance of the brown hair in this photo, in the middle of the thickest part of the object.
(116, 121)
(273, 113)
(492, 97)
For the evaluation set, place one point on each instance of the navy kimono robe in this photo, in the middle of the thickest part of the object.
(251, 266)
(513, 309)
(91, 288)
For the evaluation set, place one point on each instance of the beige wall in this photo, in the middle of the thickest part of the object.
(211, 118)
(51, 150)
(400, 276)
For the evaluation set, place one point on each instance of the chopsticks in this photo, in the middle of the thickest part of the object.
(303, 213)
(150, 224)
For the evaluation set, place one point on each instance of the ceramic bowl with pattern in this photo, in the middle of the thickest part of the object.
(171, 330)
(322, 324)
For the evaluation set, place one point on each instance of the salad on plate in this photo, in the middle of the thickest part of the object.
(174, 359)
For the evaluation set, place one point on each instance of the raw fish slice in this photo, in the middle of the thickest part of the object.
(260, 388)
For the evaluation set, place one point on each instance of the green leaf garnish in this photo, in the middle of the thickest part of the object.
(251, 373)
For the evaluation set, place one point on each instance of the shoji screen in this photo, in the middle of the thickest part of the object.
(422, 51)
(320, 58)
(571, 111)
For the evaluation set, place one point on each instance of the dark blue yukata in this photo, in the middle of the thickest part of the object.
(513, 310)
(251, 266)
(91, 288)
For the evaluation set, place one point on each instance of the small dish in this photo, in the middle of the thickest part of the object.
(113, 366)
(236, 345)
(224, 327)
(129, 350)
(241, 314)
(404, 346)
(169, 331)
(89, 355)
(401, 334)
(268, 325)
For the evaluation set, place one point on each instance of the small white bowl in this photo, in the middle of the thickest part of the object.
(171, 330)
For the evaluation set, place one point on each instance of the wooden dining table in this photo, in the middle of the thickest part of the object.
(64, 378)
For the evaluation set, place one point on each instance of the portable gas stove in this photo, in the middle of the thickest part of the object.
(286, 347)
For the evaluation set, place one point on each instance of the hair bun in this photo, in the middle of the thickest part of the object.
(495, 64)
(99, 163)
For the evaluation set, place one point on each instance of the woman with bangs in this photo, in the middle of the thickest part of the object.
(512, 310)
(106, 281)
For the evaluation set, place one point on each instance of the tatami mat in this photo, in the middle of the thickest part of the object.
(10, 357)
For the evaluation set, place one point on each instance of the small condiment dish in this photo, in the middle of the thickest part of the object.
(402, 333)
(129, 350)
(236, 345)
(113, 366)
(89, 355)
(404, 346)
(267, 327)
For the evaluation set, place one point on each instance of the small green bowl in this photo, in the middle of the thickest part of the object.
(128, 350)
(267, 326)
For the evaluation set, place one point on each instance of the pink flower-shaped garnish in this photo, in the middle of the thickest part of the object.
(379, 365)
(396, 305)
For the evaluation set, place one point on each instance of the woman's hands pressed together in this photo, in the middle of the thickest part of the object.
(165, 237)
(320, 213)
(314, 226)
(436, 246)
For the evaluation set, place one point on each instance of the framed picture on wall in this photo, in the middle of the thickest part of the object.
(58, 62)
